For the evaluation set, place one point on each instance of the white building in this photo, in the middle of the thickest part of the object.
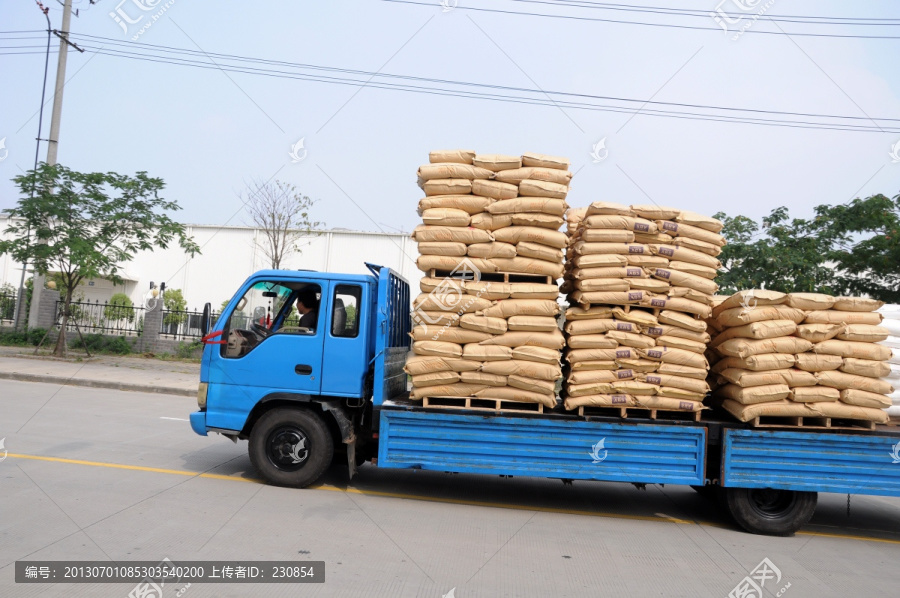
(231, 253)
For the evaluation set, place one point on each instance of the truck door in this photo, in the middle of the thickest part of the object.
(345, 363)
(267, 350)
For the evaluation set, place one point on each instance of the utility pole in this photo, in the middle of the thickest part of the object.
(53, 141)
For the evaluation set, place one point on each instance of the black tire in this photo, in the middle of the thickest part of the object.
(291, 447)
(768, 511)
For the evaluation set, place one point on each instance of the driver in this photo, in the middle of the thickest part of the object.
(308, 306)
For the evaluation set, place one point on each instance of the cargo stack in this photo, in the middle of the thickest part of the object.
(640, 280)
(891, 315)
(800, 355)
(491, 250)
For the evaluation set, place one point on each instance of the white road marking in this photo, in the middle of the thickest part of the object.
(177, 419)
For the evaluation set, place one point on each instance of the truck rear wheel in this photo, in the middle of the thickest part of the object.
(769, 511)
(291, 447)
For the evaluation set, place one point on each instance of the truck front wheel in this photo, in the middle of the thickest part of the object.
(291, 447)
(769, 511)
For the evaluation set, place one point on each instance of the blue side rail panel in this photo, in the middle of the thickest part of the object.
(393, 324)
(506, 445)
(843, 463)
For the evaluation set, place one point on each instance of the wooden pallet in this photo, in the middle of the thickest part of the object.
(639, 412)
(477, 404)
(821, 423)
(494, 276)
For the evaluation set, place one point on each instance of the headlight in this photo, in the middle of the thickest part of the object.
(201, 395)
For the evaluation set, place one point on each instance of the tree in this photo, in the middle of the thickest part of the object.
(848, 249)
(282, 214)
(119, 307)
(83, 225)
(175, 303)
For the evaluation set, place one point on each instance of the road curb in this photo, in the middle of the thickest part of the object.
(167, 390)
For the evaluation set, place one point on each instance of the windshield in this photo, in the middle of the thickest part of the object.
(261, 304)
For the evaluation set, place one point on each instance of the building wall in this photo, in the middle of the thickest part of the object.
(231, 253)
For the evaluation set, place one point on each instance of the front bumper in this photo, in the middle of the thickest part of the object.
(198, 422)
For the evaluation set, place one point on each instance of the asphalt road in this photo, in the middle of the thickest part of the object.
(95, 474)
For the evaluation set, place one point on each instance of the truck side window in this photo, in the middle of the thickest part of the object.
(345, 314)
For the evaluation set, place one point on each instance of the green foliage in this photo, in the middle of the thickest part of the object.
(848, 249)
(22, 339)
(98, 343)
(8, 295)
(351, 317)
(83, 225)
(174, 302)
(188, 350)
(119, 307)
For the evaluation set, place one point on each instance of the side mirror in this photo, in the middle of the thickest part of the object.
(205, 323)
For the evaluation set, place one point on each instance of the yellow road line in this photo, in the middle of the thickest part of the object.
(454, 501)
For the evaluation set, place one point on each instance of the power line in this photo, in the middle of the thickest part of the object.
(648, 24)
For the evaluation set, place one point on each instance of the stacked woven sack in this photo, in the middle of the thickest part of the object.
(478, 338)
(640, 279)
(800, 355)
(891, 315)
(503, 213)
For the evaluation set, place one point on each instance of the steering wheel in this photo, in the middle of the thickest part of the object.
(259, 329)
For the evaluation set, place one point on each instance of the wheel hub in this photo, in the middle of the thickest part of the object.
(287, 448)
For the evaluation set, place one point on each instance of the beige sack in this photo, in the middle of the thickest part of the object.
(426, 263)
(754, 394)
(816, 333)
(679, 393)
(451, 234)
(815, 394)
(435, 379)
(758, 330)
(449, 170)
(599, 326)
(598, 376)
(436, 318)
(545, 161)
(678, 342)
(809, 301)
(629, 339)
(522, 307)
(421, 364)
(843, 381)
(551, 175)
(862, 398)
(539, 220)
(845, 411)
(490, 222)
(483, 378)
(544, 205)
(740, 347)
(453, 156)
(651, 285)
(533, 188)
(834, 316)
(532, 384)
(489, 290)
(683, 371)
(683, 254)
(437, 248)
(857, 304)
(476, 352)
(815, 362)
(438, 187)
(781, 408)
(593, 365)
(750, 300)
(603, 235)
(445, 217)
(609, 272)
(608, 208)
(497, 162)
(532, 324)
(740, 316)
(594, 261)
(539, 252)
(577, 313)
(450, 302)
(494, 189)
(683, 382)
(448, 334)
(471, 204)
(686, 230)
(854, 349)
(674, 318)
(757, 363)
(528, 369)
(450, 390)
(644, 366)
(692, 295)
(592, 341)
(551, 340)
(676, 356)
(695, 269)
(747, 378)
(684, 279)
(533, 291)
(483, 324)
(655, 212)
(537, 354)
(526, 265)
(515, 234)
(517, 395)
(865, 333)
(678, 304)
(655, 238)
(865, 367)
(639, 225)
(603, 284)
(600, 354)
(491, 250)
(584, 248)
(696, 245)
(437, 348)
(700, 221)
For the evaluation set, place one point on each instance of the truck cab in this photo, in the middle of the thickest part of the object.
(296, 386)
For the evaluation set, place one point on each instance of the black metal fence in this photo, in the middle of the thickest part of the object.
(7, 307)
(103, 318)
(183, 324)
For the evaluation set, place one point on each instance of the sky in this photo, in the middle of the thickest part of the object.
(207, 133)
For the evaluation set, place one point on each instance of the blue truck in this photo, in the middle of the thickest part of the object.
(305, 394)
